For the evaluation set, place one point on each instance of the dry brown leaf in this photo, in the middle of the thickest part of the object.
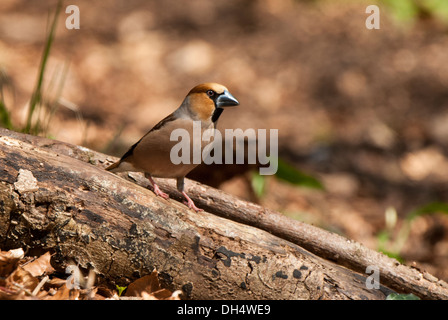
(9, 261)
(148, 296)
(56, 282)
(40, 266)
(175, 295)
(95, 295)
(21, 279)
(10, 293)
(64, 293)
(148, 288)
(42, 294)
(148, 284)
(106, 292)
(162, 294)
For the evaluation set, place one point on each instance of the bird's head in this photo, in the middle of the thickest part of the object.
(207, 100)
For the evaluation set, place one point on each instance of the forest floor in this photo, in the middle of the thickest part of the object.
(364, 111)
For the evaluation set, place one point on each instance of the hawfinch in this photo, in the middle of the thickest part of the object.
(151, 154)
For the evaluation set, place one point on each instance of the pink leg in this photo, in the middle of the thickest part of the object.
(157, 190)
(190, 203)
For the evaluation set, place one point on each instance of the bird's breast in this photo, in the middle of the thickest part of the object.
(159, 152)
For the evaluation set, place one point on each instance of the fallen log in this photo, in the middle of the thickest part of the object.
(55, 196)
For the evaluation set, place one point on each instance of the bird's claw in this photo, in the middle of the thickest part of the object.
(160, 193)
(191, 205)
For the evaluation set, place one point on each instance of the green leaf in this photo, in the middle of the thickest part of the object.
(439, 8)
(402, 10)
(290, 174)
(409, 11)
(5, 118)
(393, 255)
(120, 290)
(36, 97)
(431, 208)
(258, 183)
(383, 237)
(399, 296)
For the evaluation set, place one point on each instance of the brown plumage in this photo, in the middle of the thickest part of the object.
(151, 154)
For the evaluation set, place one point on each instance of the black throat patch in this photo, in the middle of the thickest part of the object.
(216, 114)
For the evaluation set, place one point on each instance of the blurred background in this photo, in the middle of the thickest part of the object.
(362, 114)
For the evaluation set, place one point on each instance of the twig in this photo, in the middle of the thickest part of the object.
(40, 285)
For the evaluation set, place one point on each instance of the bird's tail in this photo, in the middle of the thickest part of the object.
(113, 166)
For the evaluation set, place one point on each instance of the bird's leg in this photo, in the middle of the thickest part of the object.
(157, 190)
(189, 202)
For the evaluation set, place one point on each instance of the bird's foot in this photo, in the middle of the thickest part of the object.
(159, 192)
(190, 203)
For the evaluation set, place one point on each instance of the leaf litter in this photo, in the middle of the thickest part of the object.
(33, 278)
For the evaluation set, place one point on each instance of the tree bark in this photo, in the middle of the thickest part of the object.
(55, 196)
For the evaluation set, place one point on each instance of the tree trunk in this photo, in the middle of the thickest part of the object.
(57, 197)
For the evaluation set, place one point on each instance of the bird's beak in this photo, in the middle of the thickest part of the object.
(226, 100)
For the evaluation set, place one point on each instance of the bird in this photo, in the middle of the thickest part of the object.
(151, 154)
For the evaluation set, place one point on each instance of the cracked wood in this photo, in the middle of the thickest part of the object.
(123, 231)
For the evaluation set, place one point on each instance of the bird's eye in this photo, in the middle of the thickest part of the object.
(211, 93)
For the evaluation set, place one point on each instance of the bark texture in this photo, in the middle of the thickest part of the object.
(55, 196)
